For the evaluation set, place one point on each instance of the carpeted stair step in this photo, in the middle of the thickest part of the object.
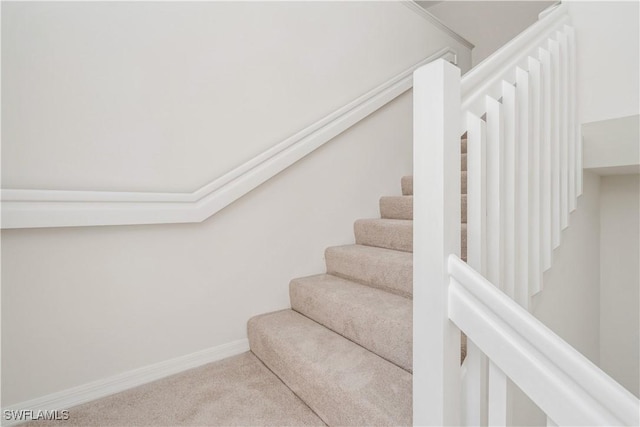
(385, 233)
(407, 185)
(343, 383)
(463, 207)
(376, 267)
(377, 320)
(463, 182)
(396, 207)
(463, 162)
(463, 241)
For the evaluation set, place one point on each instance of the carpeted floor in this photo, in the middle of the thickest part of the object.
(238, 391)
(344, 348)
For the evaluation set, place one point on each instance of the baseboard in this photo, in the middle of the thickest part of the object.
(66, 399)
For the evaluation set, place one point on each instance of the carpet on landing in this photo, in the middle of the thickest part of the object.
(238, 391)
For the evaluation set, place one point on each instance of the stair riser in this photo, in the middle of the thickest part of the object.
(391, 235)
(463, 206)
(463, 242)
(407, 181)
(372, 318)
(463, 182)
(399, 208)
(407, 185)
(396, 207)
(343, 383)
(392, 273)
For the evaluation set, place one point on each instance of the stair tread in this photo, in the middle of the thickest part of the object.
(463, 182)
(341, 381)
(396, 207)
(463, 208)
(385, 233)
(377, 320)
(382, 268)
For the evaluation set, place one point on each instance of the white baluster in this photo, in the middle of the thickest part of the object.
(564, 129)
(576, 160)
(476, 193)
(554, 49)
(523, 140)
(535, 176)
(474, 387)
(571, 89)
(510, 111)
(494, 152)
(546, 226)
(497, 400)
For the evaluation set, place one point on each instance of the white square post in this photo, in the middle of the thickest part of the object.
(436, 234)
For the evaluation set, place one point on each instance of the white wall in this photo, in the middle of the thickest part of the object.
(608, 44)
(487, 24)
(612, 146)
(168, 96)
(620, 279)
(591, 295)
(570, 302)
(81, 304)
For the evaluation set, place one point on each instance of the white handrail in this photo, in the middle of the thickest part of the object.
(424, 13)
(548, 10)
(490, 66)
(22, 208)
(484, 79)
(518, 110)
(564, 383)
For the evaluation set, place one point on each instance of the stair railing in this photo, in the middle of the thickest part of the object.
(568, 387)
(524, 172)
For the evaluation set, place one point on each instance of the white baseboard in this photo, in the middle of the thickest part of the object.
(66, 399)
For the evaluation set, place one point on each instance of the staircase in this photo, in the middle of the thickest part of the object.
(348, 344)
(345, 347)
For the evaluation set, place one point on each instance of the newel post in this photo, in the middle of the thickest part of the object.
(436, 234)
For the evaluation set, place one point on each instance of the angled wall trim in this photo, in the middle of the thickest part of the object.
(56, 208)
(66, 399)
(435, 21)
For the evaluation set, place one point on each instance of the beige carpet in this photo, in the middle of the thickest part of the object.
(238, 391)
(346, 345)
(345, 348)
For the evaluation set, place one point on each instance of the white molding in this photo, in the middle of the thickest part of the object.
(549, 9)
(486, 77)
(566, 385)
(66, 399)
(56, 208)
(425, 14)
